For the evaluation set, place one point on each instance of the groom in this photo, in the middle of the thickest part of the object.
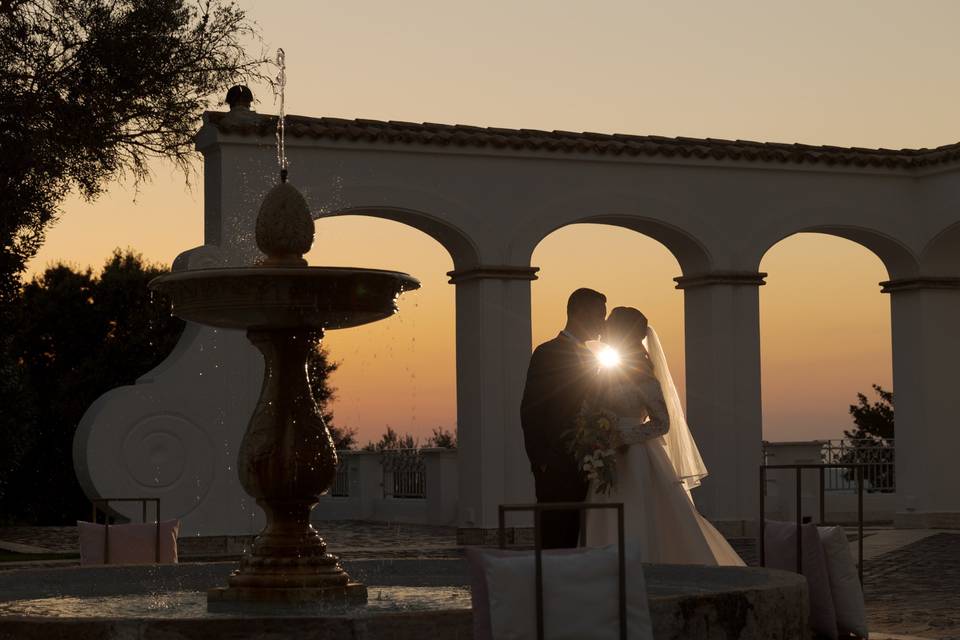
(562, 373)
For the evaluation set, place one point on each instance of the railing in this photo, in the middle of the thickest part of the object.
(341, 483)
(415, 487)
(876, 456)
(404, 473)
(858, 474)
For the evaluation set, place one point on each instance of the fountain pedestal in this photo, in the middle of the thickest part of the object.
(287, 459)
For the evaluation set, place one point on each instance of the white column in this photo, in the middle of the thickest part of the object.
(926, 358)
(722, 320)
(493, 351)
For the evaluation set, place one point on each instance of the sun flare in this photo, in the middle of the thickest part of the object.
(608, 357)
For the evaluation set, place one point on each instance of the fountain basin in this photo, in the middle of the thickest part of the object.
(284, 297)
(409, 598)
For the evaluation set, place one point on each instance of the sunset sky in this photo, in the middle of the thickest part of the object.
(853, 73)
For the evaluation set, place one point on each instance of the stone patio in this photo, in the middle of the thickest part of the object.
(911, 577)
(349, 539)
(915, 589)
(911, 581)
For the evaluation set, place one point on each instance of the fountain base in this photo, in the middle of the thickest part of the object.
(352, 593)
(284, 578)
(411, 599)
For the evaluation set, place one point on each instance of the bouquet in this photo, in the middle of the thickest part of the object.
(593, 443)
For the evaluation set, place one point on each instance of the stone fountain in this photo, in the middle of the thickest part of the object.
(287, 458)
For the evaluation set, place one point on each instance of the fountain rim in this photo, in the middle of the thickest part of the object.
(227, 298)
(408, 282)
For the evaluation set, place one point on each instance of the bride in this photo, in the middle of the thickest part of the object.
(658, 463)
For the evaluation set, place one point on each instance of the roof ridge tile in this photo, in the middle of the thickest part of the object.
(559, 141)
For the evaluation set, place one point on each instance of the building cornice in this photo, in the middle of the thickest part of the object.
(923, 282)
(493, 272)
(249, 123)
(747, 278)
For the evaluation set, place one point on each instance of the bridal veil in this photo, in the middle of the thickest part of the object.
(679, 443)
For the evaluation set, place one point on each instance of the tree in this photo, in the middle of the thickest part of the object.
(872, 439)
(873, 420)
(344, 438)
(17, 420)
(391, 440)
(442, 438)
(319, 370)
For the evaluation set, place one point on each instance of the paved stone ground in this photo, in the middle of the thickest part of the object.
(350, 539)
(911, 581)
(57, 539)
(915, 590)
(911, 578)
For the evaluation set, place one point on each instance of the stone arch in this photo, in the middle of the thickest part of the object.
(461, 247)
(444, 219)
(798, 310)
(625, 210)
(897, 258)
(692, 256)
(939, 256)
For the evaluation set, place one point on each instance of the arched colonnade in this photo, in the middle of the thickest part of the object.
(489, 196)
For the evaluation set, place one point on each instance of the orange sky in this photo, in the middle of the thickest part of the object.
(861, 73)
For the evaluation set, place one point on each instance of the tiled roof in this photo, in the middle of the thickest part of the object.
(250, 123)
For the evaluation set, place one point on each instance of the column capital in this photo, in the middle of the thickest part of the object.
(747, 278)
(920, 282)
(493, 272)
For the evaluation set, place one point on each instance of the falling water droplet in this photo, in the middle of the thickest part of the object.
(281, 84)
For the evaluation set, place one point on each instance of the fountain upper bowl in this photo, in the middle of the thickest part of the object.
(284, 297)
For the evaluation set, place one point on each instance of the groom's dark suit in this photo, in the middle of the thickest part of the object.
(561, 376)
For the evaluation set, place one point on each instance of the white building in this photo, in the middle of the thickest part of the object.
(489, 196)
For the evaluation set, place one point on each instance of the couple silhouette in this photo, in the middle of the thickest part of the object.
(657, 461)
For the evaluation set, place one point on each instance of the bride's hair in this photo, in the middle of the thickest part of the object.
(626, 329)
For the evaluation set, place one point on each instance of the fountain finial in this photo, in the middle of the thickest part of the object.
(239, 97)
(284, 229)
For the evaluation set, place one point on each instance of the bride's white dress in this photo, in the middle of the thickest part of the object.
(660, 520)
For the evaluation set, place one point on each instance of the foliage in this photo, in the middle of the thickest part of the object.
(873, 420)
(344, 438)
(17, 419)
(319, 371)
(873, 438)
(442, 438)
(392, 440)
